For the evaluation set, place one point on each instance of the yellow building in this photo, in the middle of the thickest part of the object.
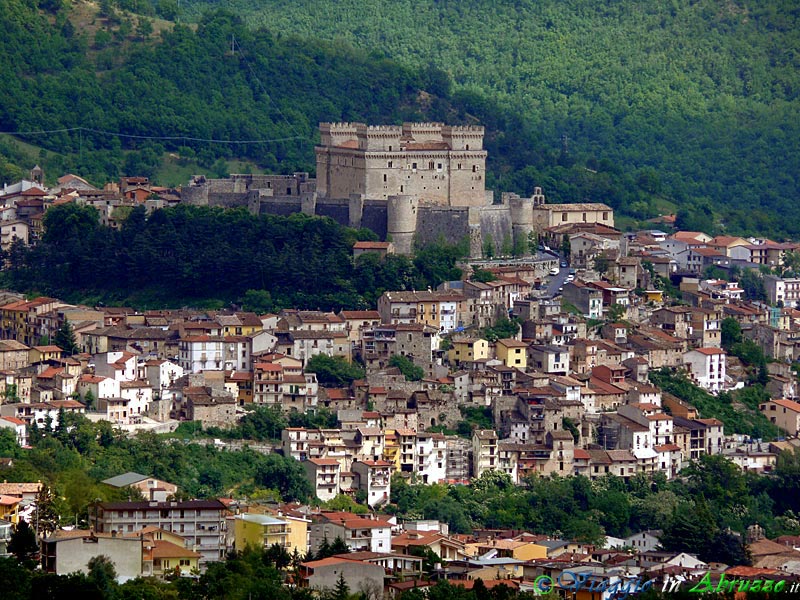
(240, 324)
(654, 296)
(44, 353)
(468, 349)
(297, 534)
(9, 509)
(391, 449)
(513, 353)
(507, 548)
(165, 553)
(262, 531)
(12, 318)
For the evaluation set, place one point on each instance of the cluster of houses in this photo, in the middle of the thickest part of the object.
(376, 554)
(568, 394)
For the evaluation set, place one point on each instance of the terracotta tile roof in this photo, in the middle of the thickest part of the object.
(164, 549)
(709, 351)
(667, 448)
(18, 489)
(325, 562)
(371, 246)
(791, 405)
(323, 462)
(742, 571)
(360, 314)
(50, 348)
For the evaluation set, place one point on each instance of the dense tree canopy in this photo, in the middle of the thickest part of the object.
(738, 409)
(333, 371)
(185, 255)
(697, 104)
(648, 109)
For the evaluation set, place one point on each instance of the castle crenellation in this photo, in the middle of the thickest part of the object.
(413, 183)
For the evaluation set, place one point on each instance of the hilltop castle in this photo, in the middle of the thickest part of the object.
(417, 182)
(437, 164)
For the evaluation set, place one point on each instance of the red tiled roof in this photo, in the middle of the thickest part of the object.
(709, 351)
(790, 404)
(371, 246)
(361, 314)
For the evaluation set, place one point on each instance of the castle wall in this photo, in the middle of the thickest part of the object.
(374, 217)
(244, 189)
(338, 210)
(279, 206)
(195, 195)
(450, 223)
(227, 199)
(495, 221)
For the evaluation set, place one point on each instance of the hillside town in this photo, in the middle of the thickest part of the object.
(555, 346)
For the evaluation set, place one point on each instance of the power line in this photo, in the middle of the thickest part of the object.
(234, 45)
(263, 89)
(148, 137)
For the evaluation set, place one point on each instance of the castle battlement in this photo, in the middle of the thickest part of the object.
(390, 129)
(473, 129)
(341, 125)
(439, 164)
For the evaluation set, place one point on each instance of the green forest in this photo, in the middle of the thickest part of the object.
(697, 100)
(213, 257)
(688, 105)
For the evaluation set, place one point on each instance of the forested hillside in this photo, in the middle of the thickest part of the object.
(218, 81)
(690, 104)
(703, 92)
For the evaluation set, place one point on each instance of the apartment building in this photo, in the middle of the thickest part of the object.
(201, 522)
(361, 533)
(484, 451)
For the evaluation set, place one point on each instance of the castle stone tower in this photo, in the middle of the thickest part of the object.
(441, 165)
(521, 217)
(401, 222)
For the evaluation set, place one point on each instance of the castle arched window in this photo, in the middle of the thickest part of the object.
(467, 146)
(474, 168)
(430, 165)
(384, 178)
(389, 165)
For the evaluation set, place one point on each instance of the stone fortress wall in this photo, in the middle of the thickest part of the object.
(415, 183)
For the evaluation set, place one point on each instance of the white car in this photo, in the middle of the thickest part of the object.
(554, 271)
(570, 277)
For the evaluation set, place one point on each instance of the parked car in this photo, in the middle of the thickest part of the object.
(554, 271)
